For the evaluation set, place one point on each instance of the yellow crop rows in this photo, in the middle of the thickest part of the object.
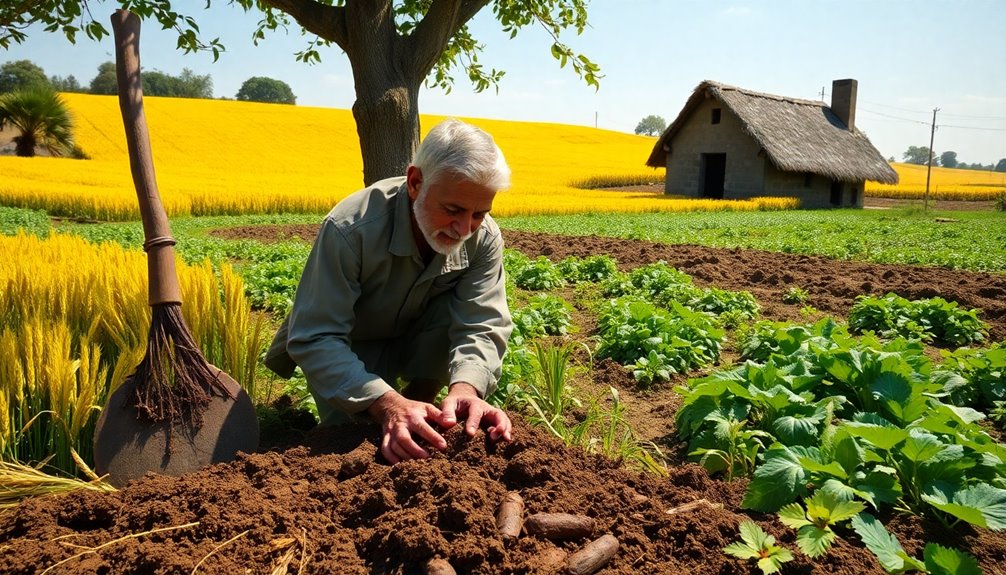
(226, 157)
(944, 184)
(73, 326)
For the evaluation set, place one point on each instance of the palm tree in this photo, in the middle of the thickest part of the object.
(41, 117)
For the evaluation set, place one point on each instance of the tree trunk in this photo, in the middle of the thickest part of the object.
(387, 121)
(388, 68)
(24, 146)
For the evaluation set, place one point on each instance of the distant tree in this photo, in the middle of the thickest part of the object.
(193, 85)
(41, 118)
(1001, 165)
(918, 155)
(68, 84)
(156, 83)
(962, 166)
(948, 159)
(262, 89)
(21, 75)
(891, 159)
(651, 125)
(105, 83)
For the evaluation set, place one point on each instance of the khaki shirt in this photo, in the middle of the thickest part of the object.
(365, 280)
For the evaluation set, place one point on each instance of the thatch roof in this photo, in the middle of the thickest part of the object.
(797, 135)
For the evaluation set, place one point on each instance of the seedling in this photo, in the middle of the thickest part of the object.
(795, 294)
(814, 525)
(758, 545)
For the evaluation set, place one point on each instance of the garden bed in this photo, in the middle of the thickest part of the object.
(331, 505)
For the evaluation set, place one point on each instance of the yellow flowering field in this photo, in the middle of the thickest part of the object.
(944, 184)
(226, 157)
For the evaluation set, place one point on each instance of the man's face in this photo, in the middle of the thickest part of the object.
(449, 211)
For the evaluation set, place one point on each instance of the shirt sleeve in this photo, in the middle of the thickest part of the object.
(322, 319)
(480, 320)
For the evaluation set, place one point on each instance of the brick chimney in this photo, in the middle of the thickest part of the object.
(843, 101)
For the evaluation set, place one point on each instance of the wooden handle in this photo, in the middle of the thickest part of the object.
(162, 277)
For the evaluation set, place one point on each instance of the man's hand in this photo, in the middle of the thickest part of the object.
(463, 402)
(401, 418)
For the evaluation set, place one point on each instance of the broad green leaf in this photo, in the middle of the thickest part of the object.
(778, 481)
(946, 561)
(833, 469)
(826, 507)
(848, 454)
(878, 540)
(793, 516)
(814, 541)
(981, 505)
(920, 447)
(881, 437)
(797, 429)
(881, 487)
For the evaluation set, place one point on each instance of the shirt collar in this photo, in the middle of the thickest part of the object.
(403, 244)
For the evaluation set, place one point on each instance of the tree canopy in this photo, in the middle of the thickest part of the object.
(262, 89)
(21, 75)
(393, 47)
(918, 155)
(156, 83)
(948, 159)
(40, 118)
(651, 125)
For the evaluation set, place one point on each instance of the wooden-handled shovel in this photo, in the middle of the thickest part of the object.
(176, 413)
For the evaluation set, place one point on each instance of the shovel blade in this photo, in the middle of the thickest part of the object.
(127, 447)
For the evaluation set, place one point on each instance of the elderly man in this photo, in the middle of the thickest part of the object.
(405, 283)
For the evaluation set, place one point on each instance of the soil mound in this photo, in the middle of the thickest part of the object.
(332, 505)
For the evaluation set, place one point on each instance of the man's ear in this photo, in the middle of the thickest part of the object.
(413, 181)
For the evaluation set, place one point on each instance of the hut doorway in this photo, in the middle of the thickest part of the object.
(714, 168)
(836, 194)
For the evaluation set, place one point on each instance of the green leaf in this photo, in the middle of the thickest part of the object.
(793, 516)
(797, 429)
(754, 536)
(740, 550)
(920, 447)
(980, 504)
(882, 437)
(778, 481)
(773, 563)
(945, 561)
(878, 540)
(814, 541)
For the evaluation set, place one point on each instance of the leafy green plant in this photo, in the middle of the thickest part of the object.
(556, 313)
(729, 445)
(795, 295)
(985, 372)
(538, 274)
(35, 222)
(936, 559)
(814, 524)
(929, 319)
(650, 369)
(760, 546)
(546, 393)
(630, 328)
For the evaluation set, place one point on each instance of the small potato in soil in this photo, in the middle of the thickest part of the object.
(510, 517)
(438, 566)
(559, 526)
(593, 556)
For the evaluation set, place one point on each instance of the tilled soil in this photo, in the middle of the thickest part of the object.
(832, 285)
(332, 505)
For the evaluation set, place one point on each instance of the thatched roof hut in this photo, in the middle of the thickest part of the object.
(795, 136)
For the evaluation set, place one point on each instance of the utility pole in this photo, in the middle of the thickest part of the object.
(822, 93)
(929, 170)
(595, 119)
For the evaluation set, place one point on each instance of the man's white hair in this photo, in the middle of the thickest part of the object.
(454, 147)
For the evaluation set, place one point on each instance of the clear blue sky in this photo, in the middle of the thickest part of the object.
(909, 57)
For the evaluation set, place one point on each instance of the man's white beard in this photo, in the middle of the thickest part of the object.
(432, 235)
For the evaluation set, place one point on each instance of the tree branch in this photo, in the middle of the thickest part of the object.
(328, 22)
(442, 21)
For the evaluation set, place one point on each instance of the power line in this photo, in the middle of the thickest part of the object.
(895, 117)
(972, 128)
